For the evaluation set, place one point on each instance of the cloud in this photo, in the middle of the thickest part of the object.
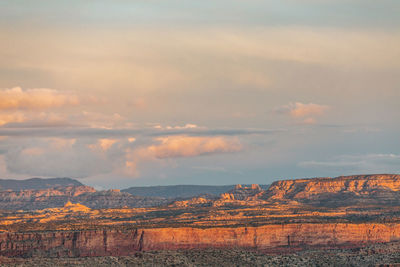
(72, 131)
(386, 163)
(299, 109)
(186, 126)
(309, 121)
(11, 117)
(50, 157)
(103, 144)
(305, 112)
(35, 99)
(191, 146)
(179, 147)
(89, 156)
(20, 106)
(66, 118)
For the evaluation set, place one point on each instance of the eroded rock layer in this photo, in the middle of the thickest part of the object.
(126, 242)
(339, 191)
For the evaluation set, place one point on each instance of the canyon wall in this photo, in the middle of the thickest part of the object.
(126, 242)
(361, 185)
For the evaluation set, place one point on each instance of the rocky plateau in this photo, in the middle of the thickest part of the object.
(291, 215)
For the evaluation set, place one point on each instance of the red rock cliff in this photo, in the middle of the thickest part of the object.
(126, 242)
(357, 184)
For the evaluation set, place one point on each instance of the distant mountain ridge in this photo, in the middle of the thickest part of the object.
(33, 199)
(343, 191)
(36, 183)
(181, 191)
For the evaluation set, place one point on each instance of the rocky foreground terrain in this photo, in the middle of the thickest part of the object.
(352, 218)
(371, 255)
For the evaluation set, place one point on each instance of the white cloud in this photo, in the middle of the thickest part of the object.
(186, 126)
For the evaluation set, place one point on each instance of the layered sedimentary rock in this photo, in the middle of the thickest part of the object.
(332, 212)
(31, 199)
(343, 190)
(126, 242)
(57, 196)
(243, 193)
(357, 184)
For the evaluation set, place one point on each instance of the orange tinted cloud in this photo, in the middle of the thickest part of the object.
(179, 147)
(103, 144)
(11, 117)
(306, 112)
(190, 146)
(16, 98)
(301, 110)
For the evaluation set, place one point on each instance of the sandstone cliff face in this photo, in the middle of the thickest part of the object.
(125, 242)
(243, 193)
(359, 185)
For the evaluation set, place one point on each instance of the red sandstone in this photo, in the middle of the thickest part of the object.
(126, 242)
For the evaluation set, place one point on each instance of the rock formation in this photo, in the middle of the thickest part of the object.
(58, 196)
(243, 193)
(126, 242)
(331, 212)
(343, 190)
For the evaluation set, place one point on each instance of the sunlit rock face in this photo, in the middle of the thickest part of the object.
(320, 212)
(372, 188)
(125, 242)
(243, 193)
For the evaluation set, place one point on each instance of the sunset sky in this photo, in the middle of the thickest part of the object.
(155, 92)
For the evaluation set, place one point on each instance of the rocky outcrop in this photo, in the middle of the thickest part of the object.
(43, 198)
(125, 242)
(58, 196)
(194, 202)
(243, 193)
(371, 188)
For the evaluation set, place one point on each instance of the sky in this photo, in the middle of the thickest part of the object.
(129, 93)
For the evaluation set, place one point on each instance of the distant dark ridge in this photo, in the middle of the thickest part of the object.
(36, 183)
(180, 191)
